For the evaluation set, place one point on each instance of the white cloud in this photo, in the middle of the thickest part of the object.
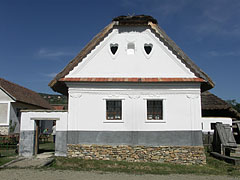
(218, 17)
(221, 11)
(51, 75)
(54, 53)
(222, 53)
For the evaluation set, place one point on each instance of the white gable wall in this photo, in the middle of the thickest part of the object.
(4, 96)
(159, 63)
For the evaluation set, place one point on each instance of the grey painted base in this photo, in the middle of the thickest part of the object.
(146, 138)
(26, 144)
(61, 143)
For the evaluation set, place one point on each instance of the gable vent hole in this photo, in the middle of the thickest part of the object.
(131, 48)
(114, 48)
(148, 48)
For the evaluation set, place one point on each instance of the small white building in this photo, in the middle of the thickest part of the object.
(14, 98)
(214, 110)
(133, 95)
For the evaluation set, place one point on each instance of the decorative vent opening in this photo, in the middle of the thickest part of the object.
(113, 48)
(130, 48)
(148, 48)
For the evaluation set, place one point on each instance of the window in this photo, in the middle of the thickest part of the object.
(154, 109)
(3, 113)
(114, 110)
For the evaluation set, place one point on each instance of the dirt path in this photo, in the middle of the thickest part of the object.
(29, 174)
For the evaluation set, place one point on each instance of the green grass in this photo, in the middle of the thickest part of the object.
(213, 167)
(46, 147)
(4, 160)
(7, 155)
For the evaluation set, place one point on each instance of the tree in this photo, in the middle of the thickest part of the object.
(234, 104)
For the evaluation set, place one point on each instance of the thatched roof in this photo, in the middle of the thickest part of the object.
(213, 106)
(140, 20)
(22, 94)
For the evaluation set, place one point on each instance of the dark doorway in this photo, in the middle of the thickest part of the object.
(44, 141)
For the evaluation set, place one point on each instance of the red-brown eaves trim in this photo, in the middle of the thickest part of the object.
(132, 80)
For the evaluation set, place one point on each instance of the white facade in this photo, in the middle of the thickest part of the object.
(28, 130)
(181, 107)
(29, 117)
(207, 121)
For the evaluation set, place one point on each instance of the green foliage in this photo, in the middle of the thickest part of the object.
(9, 140)
(55, 99)
(234, 104)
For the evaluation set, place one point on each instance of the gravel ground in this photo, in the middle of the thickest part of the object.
(30, 174)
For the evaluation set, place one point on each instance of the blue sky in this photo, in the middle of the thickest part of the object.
(39, 37)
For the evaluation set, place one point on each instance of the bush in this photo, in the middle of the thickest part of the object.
(9, 140)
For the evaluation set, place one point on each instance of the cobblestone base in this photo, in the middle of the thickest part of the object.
(173, 154)
(4, 130)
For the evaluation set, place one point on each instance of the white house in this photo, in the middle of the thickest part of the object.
(14, 98)
(133, 95)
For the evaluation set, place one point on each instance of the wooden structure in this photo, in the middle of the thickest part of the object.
(224, 144)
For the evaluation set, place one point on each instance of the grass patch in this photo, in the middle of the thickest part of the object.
(213, 167)
(46, 147)
(7, 155)
(4, 160)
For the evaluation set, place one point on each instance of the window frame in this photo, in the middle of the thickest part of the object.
(105, 110)
(8, 112)
(163, 120)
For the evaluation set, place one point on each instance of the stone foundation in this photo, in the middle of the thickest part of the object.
(4, 130)
(172, 154)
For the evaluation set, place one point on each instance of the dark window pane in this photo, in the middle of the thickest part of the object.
(114, 109)
(154, 110)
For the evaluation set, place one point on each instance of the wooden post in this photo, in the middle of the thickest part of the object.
(36, 138)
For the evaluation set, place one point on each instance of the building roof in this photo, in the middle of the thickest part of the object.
(22, 94)
(141, 20)
(216, 107)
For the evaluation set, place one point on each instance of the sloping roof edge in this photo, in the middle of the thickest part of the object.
(212, 104)
(13, 98)
(21, 94)
(60, 86)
